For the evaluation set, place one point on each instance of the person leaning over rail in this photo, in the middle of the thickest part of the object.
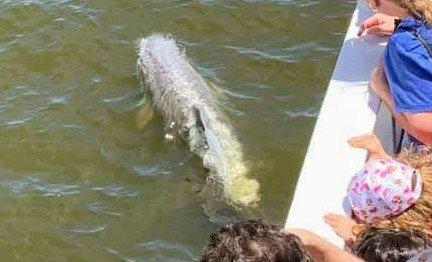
(373, 244)
(389, 244)
(388, 192)
(257, 241)
(403, 77)
(377, 244)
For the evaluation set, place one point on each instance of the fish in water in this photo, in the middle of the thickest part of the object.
(188, 107)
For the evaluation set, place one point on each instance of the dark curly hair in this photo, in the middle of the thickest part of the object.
(253, 241)
(389, 245)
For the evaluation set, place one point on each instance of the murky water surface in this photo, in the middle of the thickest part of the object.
(78, 181)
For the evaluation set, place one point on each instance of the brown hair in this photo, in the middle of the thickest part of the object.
(254, 241)
(419, 216)
(417, 7)
(376, 244)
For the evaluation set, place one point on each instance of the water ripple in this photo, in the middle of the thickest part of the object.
(176, 250)
(19, 121)
(99, 208)
(85, 230)
(306, 51)
(58, 100)
(118, 190)
(148, 171)
(31, 101)
(239, 95)
(307, 113)
(34, 186)
(117, 254)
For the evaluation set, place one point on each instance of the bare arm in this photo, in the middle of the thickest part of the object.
(371, 143)
(320, 249)
(421, 126)
(418, 125)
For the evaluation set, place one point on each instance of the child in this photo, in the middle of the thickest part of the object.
(257, 241)
(252, 241)
(384, 187)
(377, 244)
(388, 192)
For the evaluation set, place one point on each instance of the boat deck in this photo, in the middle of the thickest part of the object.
(349, 109)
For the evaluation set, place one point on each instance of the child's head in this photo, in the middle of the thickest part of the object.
(389, 244)
(383, 188)
(419, 216)
(253, 241)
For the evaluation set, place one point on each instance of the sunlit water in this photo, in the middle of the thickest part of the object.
(79, 181)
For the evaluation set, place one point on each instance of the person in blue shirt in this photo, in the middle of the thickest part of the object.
(403, 78)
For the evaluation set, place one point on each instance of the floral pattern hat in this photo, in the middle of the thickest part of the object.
(382, 189)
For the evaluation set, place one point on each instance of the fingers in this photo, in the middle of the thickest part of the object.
(371, 143)
(341, 225)
(363, 141)
(357, 143)
(379, 30)
(368, 23)
(376, 31)
(333, 219)
(293, 231)
(378, 25)
(355, 140)
(365, 137)
(371, 22)
(306, 236)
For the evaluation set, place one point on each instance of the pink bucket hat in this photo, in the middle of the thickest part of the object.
(382, 189)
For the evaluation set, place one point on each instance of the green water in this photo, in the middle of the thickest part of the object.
(78, 181)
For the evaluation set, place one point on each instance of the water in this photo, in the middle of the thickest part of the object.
(79, 181)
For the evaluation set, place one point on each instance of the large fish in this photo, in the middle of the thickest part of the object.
(188, 107)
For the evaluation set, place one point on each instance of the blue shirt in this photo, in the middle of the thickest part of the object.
(408, 67)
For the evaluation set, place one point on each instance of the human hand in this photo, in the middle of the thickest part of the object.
(307, 237)
(343, 226)
(371, 143)
(320, 249)
(378, 25)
